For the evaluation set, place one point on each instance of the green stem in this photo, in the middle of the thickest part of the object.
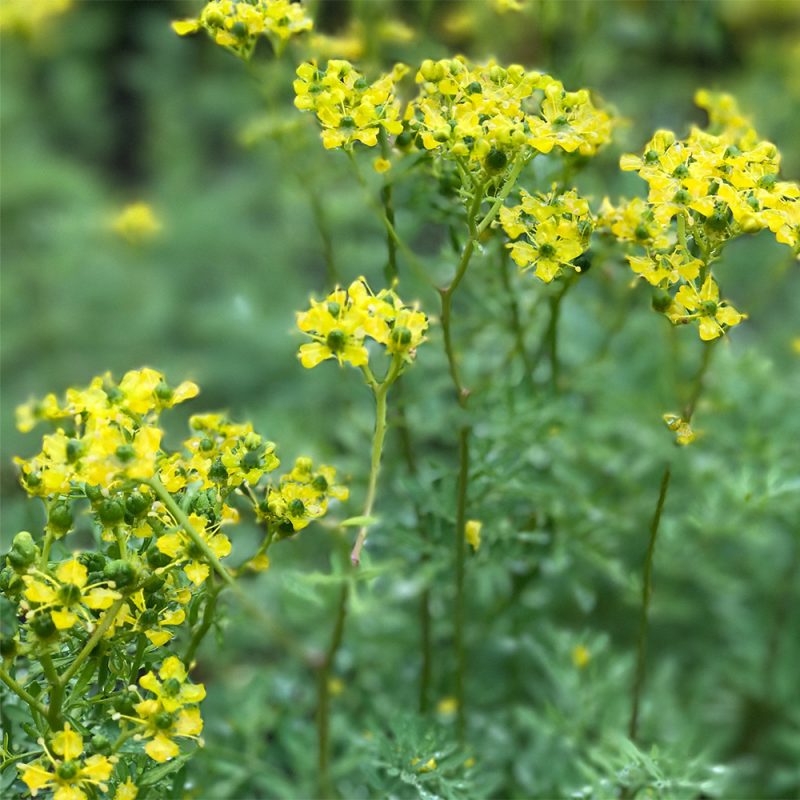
(644, 619)
(324, 694)
(416, 264)
(97, 634)
(56, 692)
(205, 624)
(44, 557)
(283, 636)
(321, 222)
(22, 693)
(388, 211)
(515, 317)
(380, 391)
(460, 557)
(699, 380)
(141, 646)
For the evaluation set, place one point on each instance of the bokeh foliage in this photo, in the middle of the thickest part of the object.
(108, 106)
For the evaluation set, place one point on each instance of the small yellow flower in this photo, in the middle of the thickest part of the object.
(684, 435)
(126, 791)
(447, 706)
(428, 766)
(136, 223)
(472, 533)
(381, 165)
(580, 656)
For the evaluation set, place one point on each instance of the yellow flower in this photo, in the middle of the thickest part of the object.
(173, 691)
(136, 223)
(126, 791)
(715, 316)
(381, 165)
(472, 533)
(67, 597)
(180, 547)
(681, 428)
(428, 766)
(447, 706)
(348, 108)
(67, 775)
(30, 17)
(580, 656)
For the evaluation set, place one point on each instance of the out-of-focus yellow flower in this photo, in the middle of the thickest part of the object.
(136, 223)
(126, 791)
(580, 656)
(237, 25)
(381, 165)
(429, 766)
(30, 17)
(447, 706)
(684, 435)
(472, 533)
(335, 686)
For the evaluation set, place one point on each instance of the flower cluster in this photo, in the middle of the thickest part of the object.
(346, 319)
(30, 18)
(714, 185)
(238, 24)
(348, 108)
(156, 517)
(551, 231)
(64, 769)
(484, 116)
(300, 497)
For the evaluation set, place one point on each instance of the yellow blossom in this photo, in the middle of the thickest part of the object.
(136, 223)
(472, 533)
(580, 656)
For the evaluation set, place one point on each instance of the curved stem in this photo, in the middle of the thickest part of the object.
(644, 618)
(56, 698)
(699, 380)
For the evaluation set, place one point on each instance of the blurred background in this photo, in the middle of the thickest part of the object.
(103, 106)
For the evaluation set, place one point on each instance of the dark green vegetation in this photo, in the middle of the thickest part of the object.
(114, 108)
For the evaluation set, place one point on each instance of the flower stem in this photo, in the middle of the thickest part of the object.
(699, 380)
(460, 557)
(644, 618)
(97, 634)
(380, 392)
(56, 692)
(324, 694)
(202, 629)
(514, 315)
(22, 693)
(388, 211)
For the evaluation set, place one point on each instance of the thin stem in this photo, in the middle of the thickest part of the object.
(56, 691)
(644, 621)
(500, 198)
(22, 693)
(321, 222)
(205, 624)
(460, 557)
(375, 464)
(97, 634)
(418, 267)
(388, 211)
(324, 694)
(699, 380)
(44, 556)
(514, 315)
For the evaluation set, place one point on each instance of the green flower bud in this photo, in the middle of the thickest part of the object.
(661, 301)
(709, 307)
(218, 473)
(297, 507)
(69, 594)
(239, 29)
(137, 503)
(23, 551)
(401, 336)
(334, 308)
(43, 626)
(122, 573)
(163, 392)
(155, 558)
(67, 770)
(60, 517)
(94, 493)
(319, 483)
(124, 702)
(336, 340)
(8, 647)
(496, 161)
(111, 511)
(164, 720)
(100, 744)
(153, 583)
(93, 561)
(125, 453)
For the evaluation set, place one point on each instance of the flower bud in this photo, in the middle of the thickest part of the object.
(661, 301)
(101, 744)
(23, 551)
(60, 517)
(496, 160)
(8, 647)
(137, 503)
(43, 626)
(111, 511)
(122, 573)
